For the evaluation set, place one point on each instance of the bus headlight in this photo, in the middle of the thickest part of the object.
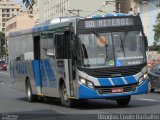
(87, 83)
(142, 78)
(145, 76)
(83, 81)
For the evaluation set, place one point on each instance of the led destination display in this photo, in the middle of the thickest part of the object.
(100, 23)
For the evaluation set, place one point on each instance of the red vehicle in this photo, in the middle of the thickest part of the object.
(3, 65)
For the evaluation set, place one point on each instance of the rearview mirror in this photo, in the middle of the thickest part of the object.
(146, 42)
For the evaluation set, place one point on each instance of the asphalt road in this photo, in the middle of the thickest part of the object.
(13, 105)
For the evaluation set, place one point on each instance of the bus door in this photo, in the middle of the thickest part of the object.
(64, 61)
(36, 64)
(48, 64)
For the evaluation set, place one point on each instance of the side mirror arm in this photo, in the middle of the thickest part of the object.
(146, 42)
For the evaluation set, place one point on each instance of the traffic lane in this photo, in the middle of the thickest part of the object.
(49, 116)
(139, 104)
(11, 98)
(4, 77)
(14, 104)
(82, 111)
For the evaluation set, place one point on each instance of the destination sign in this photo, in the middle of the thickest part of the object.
(99, 23)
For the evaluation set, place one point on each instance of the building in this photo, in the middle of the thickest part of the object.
(8, 9)
(40, 9)
(37, 9)
(148, 11)
(124, 6)
(20, 22)
(63, 8)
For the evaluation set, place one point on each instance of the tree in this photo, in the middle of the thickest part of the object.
(2, 43)
(156, 29)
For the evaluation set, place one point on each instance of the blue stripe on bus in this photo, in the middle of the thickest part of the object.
(49, 71)
(88, 93)
(39, 28)
(43, 75)
(130, 79)
(34, 29)
(118, 81)
(35, 65)
(104, 82)
(25, 69)
(45, 28)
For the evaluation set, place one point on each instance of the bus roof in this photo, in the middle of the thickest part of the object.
(47, 25)
(108, 15)
(65, 21)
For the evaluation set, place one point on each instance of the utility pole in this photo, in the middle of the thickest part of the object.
(117, 4)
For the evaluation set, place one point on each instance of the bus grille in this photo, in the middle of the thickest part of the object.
(113, 72)
(105, 90)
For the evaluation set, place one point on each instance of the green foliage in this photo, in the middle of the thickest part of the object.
(154, 47)
(2, 43)
(156, 29)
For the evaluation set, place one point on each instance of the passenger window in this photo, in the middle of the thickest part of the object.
(59, 43)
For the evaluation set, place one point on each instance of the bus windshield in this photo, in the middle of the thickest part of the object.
(112, 49)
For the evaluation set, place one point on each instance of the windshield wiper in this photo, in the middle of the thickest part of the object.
(122, 45)
(123, 41)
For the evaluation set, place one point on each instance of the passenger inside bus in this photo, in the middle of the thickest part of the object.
(44, 53)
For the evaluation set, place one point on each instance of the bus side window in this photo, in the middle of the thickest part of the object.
(59, 46)
(18, 58)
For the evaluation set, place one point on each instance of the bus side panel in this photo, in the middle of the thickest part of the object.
(36, 72)
(52, 77)
(19, 72)
(48, 76)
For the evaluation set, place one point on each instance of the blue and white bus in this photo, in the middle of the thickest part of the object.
(99, 57)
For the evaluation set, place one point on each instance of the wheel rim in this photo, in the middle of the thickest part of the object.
(29, 92)
(65, 94)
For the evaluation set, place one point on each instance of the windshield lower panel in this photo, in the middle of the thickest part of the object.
(112, 49)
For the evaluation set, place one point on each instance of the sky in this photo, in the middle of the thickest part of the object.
(19, 1)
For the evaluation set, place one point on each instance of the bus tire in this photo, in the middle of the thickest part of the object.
(65, 101)
(123, 101)
(150, 89)
(30, 96)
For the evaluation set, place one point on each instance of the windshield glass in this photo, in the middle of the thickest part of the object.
(129, 48)
(110, 49)
(96, 51)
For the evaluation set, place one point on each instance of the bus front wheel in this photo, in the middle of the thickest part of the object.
(65, 101)
(30, 96)
(123, 101)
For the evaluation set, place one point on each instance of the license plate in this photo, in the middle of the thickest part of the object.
(117, 90)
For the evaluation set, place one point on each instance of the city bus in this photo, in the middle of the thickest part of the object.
(77, 58)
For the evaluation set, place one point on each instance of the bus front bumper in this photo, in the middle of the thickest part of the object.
(88, 93)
